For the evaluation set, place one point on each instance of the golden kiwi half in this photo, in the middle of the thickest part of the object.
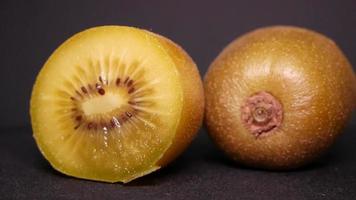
(114, 103)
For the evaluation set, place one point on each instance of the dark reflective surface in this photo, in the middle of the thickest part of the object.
(202, 172)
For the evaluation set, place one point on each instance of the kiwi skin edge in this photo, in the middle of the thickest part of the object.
(305, 71)
(193, 100)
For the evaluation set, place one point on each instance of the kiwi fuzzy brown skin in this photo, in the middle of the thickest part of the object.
(192, 112)
(302, 70)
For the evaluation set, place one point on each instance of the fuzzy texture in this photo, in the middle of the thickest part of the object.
(305, 71)
(193, 100)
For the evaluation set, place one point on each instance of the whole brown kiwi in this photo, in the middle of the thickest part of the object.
(278, 97)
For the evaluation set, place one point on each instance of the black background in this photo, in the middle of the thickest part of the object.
(31, 30)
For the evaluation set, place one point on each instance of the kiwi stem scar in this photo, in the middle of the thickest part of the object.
(261, 113)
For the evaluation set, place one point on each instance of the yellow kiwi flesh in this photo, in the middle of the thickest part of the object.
(109, 102)
(278, 97)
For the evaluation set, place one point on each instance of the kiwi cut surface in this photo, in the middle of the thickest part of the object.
(111, 101)
(278, 97)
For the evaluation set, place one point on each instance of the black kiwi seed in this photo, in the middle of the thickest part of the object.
(84, 89)
(129, 83)
(78, 118)
(131, 90)
(101, 91)
(118, 81)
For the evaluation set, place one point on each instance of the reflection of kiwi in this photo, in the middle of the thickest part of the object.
(115, 103)
(278, 97)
